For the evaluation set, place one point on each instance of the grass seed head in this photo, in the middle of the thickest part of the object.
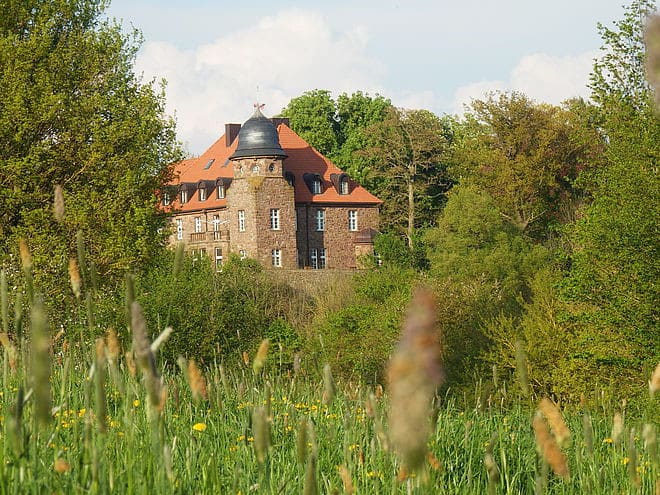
(329, 388)
(74, 277)
(60, 466)
(301, 441)
(196, 381)
(414, 373)
(556, 422)
(310, 486)
(654, 382)
(652, 41)
(41, 365)
(548, 448)
(261, 433)
(617, 428)
(26, 256)
(112, 345)
(260, 358)
(58, 203)
(346, 480)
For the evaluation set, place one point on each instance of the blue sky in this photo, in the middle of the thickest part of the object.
(419, 53)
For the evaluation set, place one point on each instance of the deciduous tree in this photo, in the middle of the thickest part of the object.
(73, 112)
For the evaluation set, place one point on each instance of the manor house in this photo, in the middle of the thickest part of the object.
(262, 192)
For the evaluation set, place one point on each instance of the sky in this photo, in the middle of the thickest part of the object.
(219, 57)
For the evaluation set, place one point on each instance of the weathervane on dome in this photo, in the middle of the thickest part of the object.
(257, 105)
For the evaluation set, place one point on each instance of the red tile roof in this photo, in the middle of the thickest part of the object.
(302, 159)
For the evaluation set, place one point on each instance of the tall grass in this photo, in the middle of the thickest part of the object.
(89, 417)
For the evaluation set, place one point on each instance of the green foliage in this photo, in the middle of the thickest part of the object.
(526, 156)
(409, 168)
(481, 267)
(392, 249)
(357, 339)
(215, 315)
(613, 251)
(72, 112)
(313, 116)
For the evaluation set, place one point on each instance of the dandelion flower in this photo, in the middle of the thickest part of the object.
(199, 427)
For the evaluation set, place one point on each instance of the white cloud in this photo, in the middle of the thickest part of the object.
(543, 77)
(281, 55)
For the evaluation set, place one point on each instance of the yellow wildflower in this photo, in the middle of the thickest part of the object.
(199, 426)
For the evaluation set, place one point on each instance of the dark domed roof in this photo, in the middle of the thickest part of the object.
(258, 137)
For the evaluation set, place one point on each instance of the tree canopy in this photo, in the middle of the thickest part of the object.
(74, 113)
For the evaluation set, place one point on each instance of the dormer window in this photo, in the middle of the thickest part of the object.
(202, 193)
(343, 185)
(166, 199)
(290, 178)
(184, 196)
(314, 182)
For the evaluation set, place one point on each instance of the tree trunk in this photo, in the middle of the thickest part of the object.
(411, 212)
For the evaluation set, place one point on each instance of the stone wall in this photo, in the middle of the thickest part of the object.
(257, 188)
(336, 238)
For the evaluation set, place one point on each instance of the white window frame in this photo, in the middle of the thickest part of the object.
(184, 196)
(218, 259)
(202, 194)
(274, 219)
(316, 186)
(276, 257)
(318, 258)
(216, 223)
(343, 186)
(198, 225)
(241, 220)
(179, 229)
(353, 220)
(166, 199)
(320, 220)
(220, 191)
(242, 254)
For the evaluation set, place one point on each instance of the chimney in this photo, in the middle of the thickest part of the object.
(231, 131)
(280, 120)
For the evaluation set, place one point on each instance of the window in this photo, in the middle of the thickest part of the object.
(243, 254)
(179, 228)
(316, 186)
(220, 191)
(198, 225)
(352, 220)
(216, 223)
(202, 194)
(276, 257)
(184, 196)
(343, 186)
(255, 169)
(218, 259)
(166, 199)
(241, 220)
(317, 258)
(271, 167)
(274, 219)
(320, 220)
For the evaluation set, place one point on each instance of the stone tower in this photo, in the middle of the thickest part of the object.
(262, 217)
